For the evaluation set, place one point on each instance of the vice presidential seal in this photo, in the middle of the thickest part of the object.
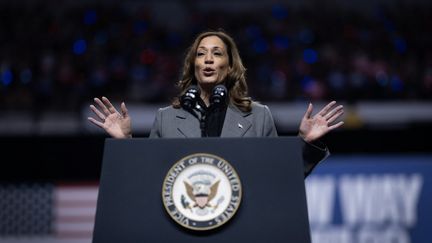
(201, 191)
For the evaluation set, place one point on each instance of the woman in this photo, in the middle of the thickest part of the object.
(213, 59)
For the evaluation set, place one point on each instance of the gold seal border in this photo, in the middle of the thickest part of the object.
(216, 225)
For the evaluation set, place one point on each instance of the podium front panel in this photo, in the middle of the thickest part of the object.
(273, 207)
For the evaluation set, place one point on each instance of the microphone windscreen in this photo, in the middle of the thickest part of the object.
(189, 99)
(219, 95)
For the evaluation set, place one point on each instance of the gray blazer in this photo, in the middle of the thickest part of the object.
(179, 123)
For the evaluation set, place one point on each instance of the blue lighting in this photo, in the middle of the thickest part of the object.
(253, 31)
(400, 45)
(90, 17)
(310, 56)
(7, 77)
(281, 42)
(396, 84)
(306, 82)
(79, 47)
(279, 12)
(260, 46)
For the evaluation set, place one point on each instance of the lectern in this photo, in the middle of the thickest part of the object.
(130, 205)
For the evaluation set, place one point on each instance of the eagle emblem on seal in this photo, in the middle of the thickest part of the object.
(201, 191)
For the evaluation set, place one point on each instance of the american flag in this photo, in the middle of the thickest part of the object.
(74, 210)
(47, 212)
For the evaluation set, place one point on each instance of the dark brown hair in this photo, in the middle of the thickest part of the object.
(235, 80)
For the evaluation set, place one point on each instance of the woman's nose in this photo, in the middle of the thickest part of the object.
(208, 59)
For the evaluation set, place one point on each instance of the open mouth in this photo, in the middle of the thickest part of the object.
(208, 71)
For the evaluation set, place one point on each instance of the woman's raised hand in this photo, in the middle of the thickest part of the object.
(314, 127)
(116, 124)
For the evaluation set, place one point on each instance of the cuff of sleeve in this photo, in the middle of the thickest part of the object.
(313, 154)
(317, 144)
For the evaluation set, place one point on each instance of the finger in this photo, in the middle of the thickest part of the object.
(124, 110)
(111, 108)
(333, 111)
(97, 123)
(336, 125)
(97, 112)
(327, 108)
(335, 116)
(308, 111)
(102, 106)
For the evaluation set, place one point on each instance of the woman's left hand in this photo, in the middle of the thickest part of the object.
(314, 127)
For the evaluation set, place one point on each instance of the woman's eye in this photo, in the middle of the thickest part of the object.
(218, 54)
(200, 54)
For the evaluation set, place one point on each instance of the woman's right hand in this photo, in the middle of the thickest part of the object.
(116, 124)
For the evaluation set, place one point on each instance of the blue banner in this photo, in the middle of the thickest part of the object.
(371, 199)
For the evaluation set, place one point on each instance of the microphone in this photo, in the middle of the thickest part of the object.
(192, 102)
(190, 98)
(219, 96)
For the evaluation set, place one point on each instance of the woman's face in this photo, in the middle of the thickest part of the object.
(211, 61)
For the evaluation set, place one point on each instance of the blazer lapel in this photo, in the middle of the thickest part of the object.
(235, 124)
(187, 124)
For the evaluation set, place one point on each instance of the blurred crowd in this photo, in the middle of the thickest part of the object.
(59, 56)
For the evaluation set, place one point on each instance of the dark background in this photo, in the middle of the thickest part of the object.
(55, 56)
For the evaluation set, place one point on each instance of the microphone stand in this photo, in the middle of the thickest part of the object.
(201, 107)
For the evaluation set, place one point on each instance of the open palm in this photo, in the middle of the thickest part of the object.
(314, 127)
(116, 124)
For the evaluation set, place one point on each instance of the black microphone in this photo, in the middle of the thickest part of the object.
(190, 98)
(219, 96)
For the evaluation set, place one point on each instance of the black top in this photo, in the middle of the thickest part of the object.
(214, 121)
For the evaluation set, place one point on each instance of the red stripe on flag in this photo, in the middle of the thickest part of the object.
(75, 219)
(74, 210)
